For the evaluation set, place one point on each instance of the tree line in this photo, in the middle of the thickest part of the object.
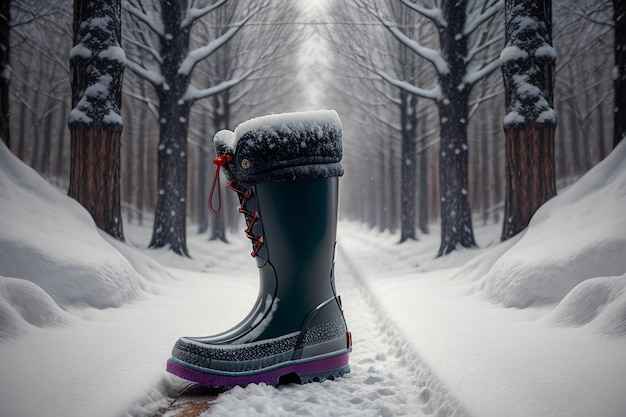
(422, 76)
(424, 90)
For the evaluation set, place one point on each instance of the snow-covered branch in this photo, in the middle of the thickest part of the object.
(145, 46)
(433, 14)
(428, 54)
(203, 52)
(138, 13)
(193, 94)
(193, 14)
(479, 16)
(154, 78)
(481, 44)
(473, 76)
(433, 93)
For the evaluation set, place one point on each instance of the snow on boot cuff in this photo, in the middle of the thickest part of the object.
(283, 147)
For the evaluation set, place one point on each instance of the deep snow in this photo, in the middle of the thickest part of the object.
(535, 326)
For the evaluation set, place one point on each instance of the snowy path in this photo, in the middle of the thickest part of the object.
(386, 379)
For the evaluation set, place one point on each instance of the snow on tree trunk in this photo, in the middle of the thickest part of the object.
(619, 80)
(97, 68)
(456, 216)
(530, 123)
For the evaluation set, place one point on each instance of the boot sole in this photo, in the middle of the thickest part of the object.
(301, 371)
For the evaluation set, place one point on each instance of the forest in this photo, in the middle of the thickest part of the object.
(387, 67)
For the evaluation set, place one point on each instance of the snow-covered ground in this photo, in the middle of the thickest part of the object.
(535, 326)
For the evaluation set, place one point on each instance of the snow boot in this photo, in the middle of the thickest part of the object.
(284, 169)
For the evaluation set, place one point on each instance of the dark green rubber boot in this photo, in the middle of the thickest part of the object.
(284, 169)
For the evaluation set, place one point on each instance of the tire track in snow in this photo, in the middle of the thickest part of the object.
(411, 371)
(387, 378)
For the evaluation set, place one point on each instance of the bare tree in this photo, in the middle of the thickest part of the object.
(97, 64)
(460, 63)
(270, 88)
(41, 38)
(170, 71)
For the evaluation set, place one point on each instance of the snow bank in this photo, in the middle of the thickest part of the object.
(23, 303)
(599, 302)
(574, 237)
(49, 239)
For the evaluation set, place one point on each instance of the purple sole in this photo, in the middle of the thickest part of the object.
(307, 371)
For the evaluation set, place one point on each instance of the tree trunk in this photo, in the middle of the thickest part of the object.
(170, 217)
(94, 175)
(422, 192)
(393, 197)
(456, 216)
(531, 121)
(619, 80)
(61, 154)
(97, 68)
(407, 167)
(5, 70)
(202, 156)
(527, 188)
(221, 120)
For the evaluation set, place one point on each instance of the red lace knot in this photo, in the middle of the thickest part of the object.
(219, 161)
(222, 160)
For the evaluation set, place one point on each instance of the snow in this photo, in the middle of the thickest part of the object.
(78, 116)
(75, 266)
(322, 117)
(229, 139)
(534, 326)
(80, 50)
(511, 53)
(113, 53)
(545, 51)
(428, 54)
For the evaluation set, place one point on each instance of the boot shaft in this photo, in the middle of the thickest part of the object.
(299, 219)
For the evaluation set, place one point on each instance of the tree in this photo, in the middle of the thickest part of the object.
(530, 122)
(459, 63)
(269, 89)
(97, 67)
(619, 78)
(170, 73)
(5, 70)
(360, 42)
